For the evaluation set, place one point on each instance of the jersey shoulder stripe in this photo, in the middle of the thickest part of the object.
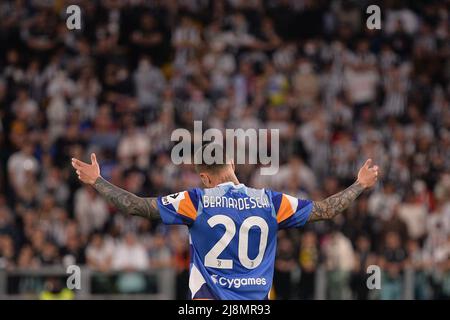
(179, 208)
(288, 207)
(186, 207)
(290, 211)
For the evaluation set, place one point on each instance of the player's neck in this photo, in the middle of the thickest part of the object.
(228, 178)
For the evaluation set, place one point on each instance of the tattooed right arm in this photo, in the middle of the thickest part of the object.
(123, 200)
(126, 201)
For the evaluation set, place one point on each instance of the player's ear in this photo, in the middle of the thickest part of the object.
(206, 180)
(232, 164)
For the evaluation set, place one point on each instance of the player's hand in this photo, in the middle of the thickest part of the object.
(87, 173)
(368, 174)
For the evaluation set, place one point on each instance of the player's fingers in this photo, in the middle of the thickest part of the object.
(374, 170)
(78, 164)
(75, 165)
(367, 164)
(82, 177)
(78, 167)
(93, 158)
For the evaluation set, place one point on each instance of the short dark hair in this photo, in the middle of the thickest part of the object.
(215, 166)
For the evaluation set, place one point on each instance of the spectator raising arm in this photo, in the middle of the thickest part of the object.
(335, 204)
(121, 199)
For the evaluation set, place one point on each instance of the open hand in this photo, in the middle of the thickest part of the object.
(368, 174)
(87, 173)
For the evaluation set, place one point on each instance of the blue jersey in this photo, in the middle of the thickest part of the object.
(233, 236)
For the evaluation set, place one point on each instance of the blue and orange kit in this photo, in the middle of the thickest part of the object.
(233, 236)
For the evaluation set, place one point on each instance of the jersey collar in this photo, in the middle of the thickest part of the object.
(231, 184)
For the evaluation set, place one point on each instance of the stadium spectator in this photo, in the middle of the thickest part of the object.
(392, 261)
(130, 256)
(309, 256)
(99, 255)
(285, 264)
(339, 261)
(363, 258)
(91, 211)
(414, 215)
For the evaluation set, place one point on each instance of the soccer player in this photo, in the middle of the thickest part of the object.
(232, 227)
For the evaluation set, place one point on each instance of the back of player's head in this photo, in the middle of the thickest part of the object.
(211, 158)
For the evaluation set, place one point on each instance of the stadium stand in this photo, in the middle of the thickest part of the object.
(338, 92)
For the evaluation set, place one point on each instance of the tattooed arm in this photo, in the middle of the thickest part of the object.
(332, 206)
(127, 202)
(123, 200)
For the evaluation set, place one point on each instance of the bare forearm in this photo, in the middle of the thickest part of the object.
(335, 204)
(126, 201)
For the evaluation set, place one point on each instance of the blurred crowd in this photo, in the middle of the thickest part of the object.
(338, 92)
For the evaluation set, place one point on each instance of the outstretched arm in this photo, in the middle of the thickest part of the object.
(123, 200)
(335, 204)
(126, 201)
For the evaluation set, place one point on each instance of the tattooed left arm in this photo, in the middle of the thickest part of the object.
(332, 206)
